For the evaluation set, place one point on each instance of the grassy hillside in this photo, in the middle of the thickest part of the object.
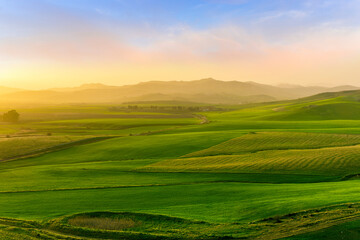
(330, 111)
(261, 141)
(340, 161)
(247, 172)
(326, 106)
(127, 148)
(11, 147)
(276, 152)
(349, 230)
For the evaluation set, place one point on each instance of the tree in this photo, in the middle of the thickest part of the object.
(11, 116)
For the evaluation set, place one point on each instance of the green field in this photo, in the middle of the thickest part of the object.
(255, 142)
(263, 171)
(340, 161)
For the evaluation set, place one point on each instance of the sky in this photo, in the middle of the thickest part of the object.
(57, 43)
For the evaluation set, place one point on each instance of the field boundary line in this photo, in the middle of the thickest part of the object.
(121, 186)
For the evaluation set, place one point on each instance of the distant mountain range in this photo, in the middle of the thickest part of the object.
(7, 90)
(202, 91)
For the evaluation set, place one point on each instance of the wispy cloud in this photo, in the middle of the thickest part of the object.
(295, 14)
(268, 44)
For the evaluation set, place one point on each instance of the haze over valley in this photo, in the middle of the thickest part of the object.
(199, 91)
(179, 119)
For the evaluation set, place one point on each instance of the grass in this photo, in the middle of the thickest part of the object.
(110, 174)
(244, 202)
(330, 111)
(225, 123)
(127, 148)
(19, 146)
(109, 125)
(177, 179)
(340, 161)
(126, 225)
(90, 120)
(349, 230)
(102, 223)
(115, 124)
(15, 234)
(254, 142)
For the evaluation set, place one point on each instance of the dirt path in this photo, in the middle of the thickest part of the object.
(203, 119)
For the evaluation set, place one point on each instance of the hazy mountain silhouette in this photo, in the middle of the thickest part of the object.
(205, 91)
(6, 90)
(83, 87)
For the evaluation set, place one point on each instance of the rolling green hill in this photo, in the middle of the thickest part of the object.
(340, 161)
(279, 152)
(259, 171)
(331, 111)
(262, 141)
(326, 106)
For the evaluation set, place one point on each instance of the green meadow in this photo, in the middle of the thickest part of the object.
(283, 170)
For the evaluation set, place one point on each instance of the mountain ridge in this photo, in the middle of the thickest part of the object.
(6, 90)
(207, 90)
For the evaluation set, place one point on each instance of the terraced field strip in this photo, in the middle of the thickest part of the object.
(328, 161)
(261, 141)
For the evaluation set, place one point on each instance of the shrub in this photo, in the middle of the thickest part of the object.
(11, 116)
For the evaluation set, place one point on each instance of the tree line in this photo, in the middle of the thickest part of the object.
(166, 108)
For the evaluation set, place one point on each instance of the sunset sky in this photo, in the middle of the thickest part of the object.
(54, 43)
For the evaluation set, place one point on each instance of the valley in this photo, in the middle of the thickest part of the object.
(238, 172)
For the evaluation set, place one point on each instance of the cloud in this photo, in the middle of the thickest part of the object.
(61, 36)
(102, 11)
(284, 44)
(294, 14)
(77, 41)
